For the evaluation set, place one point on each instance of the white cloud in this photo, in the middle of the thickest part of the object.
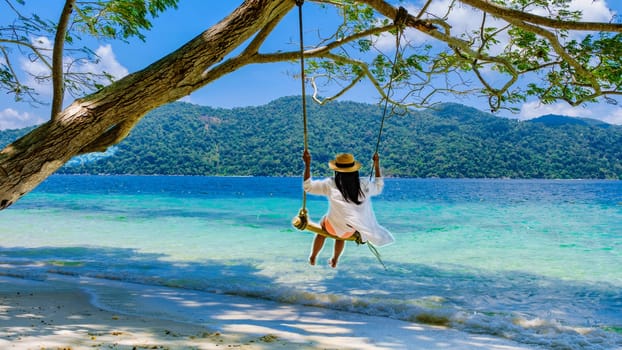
(463, 19)
(604, 112)
(536, 109)
(106, 62)
(12, 119)
(615, 117)
(37, 68)
(593, 10)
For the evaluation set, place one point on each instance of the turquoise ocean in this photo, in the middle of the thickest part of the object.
(535, 261)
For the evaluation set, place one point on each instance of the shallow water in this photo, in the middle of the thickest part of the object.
(534, 261)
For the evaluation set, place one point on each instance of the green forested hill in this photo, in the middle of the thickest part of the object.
(450, 141)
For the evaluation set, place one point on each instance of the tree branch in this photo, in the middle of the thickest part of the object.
(261, 37)
(364, 72)
(16, 86)
(57, 58)
(587, 98)
(424, 9)
(319, 51)
(34, 49)
(338, 94)
(511, 14)
(111, 137)
(557, 46)
(249, 56)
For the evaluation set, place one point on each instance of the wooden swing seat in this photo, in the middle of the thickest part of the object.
(303, 223)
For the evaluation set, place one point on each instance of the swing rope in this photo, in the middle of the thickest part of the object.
(303, 210)
(400, 22)
(301, 221)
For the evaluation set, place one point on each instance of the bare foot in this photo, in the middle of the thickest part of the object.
(312, 260)
(332, 263)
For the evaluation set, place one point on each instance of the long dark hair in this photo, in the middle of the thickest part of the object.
(349, 185)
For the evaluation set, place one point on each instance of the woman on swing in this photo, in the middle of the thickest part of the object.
(349, 206)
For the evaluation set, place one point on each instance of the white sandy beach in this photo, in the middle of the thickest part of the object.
(84, 313)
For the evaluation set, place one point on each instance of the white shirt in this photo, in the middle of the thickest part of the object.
(348, 216)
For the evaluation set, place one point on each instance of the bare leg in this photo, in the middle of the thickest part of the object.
(339, 245)
(318, 243)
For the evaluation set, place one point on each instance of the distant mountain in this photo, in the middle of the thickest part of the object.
(557, 120)
(450, 140)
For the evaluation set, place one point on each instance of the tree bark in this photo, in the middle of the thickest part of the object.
(106, 117)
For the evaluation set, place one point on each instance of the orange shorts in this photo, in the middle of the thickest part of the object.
(330, 229)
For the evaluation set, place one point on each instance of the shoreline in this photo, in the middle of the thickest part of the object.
(391, 177)
(65, 312)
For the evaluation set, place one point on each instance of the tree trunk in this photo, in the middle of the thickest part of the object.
(106, 117)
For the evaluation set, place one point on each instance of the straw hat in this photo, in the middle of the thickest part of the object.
(344, 163)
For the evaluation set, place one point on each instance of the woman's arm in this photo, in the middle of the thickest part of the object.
(321, 187)
(306, 157)
(375, 187)
(376, 159)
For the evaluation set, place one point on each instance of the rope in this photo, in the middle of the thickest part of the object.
(400, 19)
(376, 253)
(304, 95)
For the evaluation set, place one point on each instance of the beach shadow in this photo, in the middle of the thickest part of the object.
(121, 298)
(58, 314)
(127, 282)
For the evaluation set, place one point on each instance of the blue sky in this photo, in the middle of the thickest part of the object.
(259, 84)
